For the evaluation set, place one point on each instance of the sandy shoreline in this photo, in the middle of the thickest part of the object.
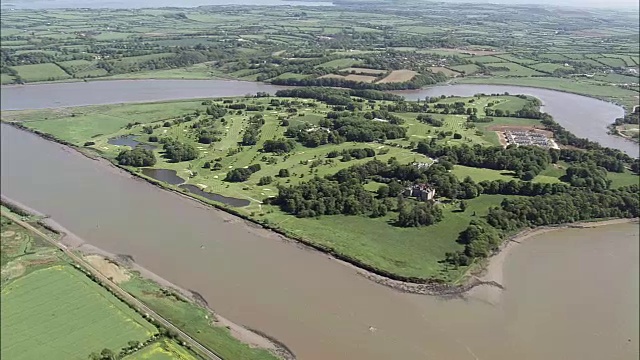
(127, 264)
(493, 270)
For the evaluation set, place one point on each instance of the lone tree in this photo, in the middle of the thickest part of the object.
(463, 205)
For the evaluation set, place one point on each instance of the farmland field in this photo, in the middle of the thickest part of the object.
(289, 48)
(398, 76)
(363, 78)
(41, 72)
(466, 69)
(59, 313)
(445, 71)
(339, 63)
(511, 69)
(364, 71)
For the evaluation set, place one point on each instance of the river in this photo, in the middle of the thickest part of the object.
(583, 116)
(571, 294)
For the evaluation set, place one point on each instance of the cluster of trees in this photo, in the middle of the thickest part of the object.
(525, 161)
(336, 96)
(336, 131)
(181, 58)
(429, 119)
(455, 108)
(322, 196)
(383, 114)
(571, 206)
(416, 82)
(348, 154)
(178, 151)
(136, 157)
(216, 111)
(9, 58)
(524, 188)
(479, 240)
(361, 130)
(343, 193)
(421, 214)
(629, 118)
(252, 132)
(587, 175)
(279, 146)
(421, 62)
(242, 174)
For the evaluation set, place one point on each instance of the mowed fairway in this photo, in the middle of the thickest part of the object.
(59, 313)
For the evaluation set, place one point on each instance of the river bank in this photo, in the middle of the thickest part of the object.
(125, 266)
(423, 286)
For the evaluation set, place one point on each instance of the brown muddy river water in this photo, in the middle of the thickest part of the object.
(570, 294)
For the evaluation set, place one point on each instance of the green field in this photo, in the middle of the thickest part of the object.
(59, 313)
(41, 72)
(514, 69)
(339, 64)
(79, 124)
(479, 174)
(404, 251)
(623, 179)
(468, 69)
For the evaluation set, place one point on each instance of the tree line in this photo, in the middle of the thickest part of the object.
(416, 82)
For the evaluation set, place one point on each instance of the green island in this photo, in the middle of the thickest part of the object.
(361, 44)
(46, 297)
(420, 191)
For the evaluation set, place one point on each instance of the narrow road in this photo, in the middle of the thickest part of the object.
(115, 288)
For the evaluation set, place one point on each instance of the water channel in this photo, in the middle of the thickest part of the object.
(570, 294)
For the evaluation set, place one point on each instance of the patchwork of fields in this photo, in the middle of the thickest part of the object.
(376, 46)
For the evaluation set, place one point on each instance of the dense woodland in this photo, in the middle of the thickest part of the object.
(137, 157)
